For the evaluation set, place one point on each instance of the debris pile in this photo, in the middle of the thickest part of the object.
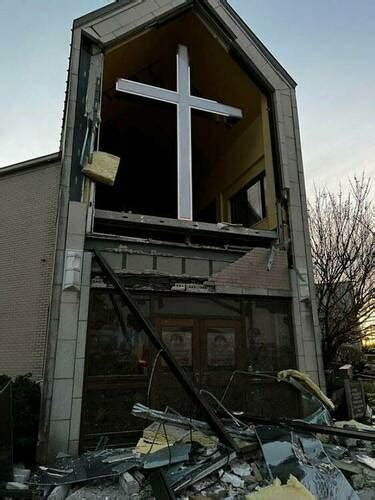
(179, 457)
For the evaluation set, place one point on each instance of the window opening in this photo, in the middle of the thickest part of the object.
(248, 206)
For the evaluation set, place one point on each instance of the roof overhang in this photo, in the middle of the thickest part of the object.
(124, 19)
(40, 161)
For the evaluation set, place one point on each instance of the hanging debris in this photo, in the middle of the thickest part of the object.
(102, 167)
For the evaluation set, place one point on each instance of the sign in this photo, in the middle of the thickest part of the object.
(355, 398)
(179, 342)
(221, 347)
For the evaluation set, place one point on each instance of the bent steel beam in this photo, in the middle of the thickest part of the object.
(301, 426)
(214, 422)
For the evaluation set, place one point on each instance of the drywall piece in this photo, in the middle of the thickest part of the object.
(102, 168)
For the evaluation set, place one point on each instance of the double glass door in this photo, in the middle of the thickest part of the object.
(207, 349)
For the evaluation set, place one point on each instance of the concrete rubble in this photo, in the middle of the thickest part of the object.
(206, 469)
(179, 457)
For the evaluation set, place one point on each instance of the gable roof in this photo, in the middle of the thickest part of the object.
(95, 14)
(106, 13)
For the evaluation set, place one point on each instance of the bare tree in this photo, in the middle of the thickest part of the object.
(342, 245)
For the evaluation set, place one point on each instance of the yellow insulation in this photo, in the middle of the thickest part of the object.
(308, 383)
(292, 490)
(103, 167)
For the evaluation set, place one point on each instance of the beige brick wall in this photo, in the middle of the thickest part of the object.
(28, 208)
(250, 271)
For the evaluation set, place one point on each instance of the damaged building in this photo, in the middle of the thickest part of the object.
(181, 169)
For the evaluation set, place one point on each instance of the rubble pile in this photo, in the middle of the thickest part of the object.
(175, 454)
(355, 458)
(180, 457)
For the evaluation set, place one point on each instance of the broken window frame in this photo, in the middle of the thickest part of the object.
(227, 109)
(242, 196)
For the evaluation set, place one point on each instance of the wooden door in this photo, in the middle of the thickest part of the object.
(208, 350)
(220, 356)
(181, 337)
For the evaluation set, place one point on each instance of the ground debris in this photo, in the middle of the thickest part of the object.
(98, 491)
(129, 484)
(180, 458)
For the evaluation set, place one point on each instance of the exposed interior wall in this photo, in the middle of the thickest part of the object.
(226, 154)
(28, 211)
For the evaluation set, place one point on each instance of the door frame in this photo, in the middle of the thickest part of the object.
(200, 325)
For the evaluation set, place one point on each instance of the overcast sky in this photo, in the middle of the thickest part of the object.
(328, 46)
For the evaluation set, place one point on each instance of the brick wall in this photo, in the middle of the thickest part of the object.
(250, 271)
(28, 207)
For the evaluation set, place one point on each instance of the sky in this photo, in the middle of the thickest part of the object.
(328, 47)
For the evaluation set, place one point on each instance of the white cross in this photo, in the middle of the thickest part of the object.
(185, 102)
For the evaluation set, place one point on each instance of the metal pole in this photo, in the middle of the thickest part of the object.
(301, 426)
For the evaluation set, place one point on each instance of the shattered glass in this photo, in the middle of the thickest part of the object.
(89, 466)
(303, 456)
(265, 395)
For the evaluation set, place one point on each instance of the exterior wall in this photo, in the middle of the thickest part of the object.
(54, 432)
(28, 212)
(230, 271)
(258, 269)
(138, 259)
(306, 325)
(67, 334)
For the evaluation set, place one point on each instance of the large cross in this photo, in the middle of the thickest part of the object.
(185, 102)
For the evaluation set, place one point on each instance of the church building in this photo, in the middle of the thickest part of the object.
(180, 166)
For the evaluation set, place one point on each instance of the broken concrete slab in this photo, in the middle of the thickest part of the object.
(241, 469)
(13, 485)
(129, 484)
(232, 479)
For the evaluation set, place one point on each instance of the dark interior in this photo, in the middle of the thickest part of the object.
(143, 132)
(147, 157)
